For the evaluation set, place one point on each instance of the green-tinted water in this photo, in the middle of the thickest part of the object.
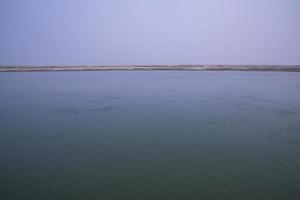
(150, 135)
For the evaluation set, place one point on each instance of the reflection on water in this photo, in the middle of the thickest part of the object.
(78, 110)
(150, 135)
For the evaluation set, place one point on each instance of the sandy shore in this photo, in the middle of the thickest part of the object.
(284, 68)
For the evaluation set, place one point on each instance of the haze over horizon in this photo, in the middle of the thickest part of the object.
(98, 32)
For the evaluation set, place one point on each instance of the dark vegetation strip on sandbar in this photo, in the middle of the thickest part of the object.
(283, 68)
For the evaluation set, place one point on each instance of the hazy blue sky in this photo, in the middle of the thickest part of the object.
(45, 32)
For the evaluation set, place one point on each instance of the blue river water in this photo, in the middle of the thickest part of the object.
(150, 135)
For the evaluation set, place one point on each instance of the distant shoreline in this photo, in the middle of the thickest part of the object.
(278, 68)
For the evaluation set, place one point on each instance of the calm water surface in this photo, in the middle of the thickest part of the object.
(150, 135)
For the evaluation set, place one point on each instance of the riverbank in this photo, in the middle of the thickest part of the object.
(283, 68)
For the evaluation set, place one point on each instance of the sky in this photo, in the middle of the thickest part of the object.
(114, 32)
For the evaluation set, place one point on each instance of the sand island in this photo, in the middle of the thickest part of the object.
(26, 68)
